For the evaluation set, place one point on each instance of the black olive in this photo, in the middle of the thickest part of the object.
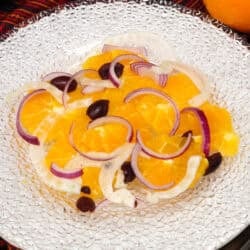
(60, 82)
(85, 204)
(186, 133)
(128, 172)
(135, 204)
(214, 162)
(98, 109)
(104, 70)
(86, 190)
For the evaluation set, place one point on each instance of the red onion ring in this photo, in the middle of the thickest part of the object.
(163, 80)
(192, 167)
(66, 174)
(73, 77)
(143, 91)
(146, 69)
(79, 74)
(112, 75)
(196, 76)
(21, 131)
(157, 155)
(113, 119)
(137, 67)
(53, 75)
(138, 50)
(204, 127)
(89, 156)
(134, 159)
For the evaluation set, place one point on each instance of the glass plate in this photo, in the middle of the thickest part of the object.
(34, 217)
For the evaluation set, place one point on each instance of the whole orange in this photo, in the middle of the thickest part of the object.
(234, 13)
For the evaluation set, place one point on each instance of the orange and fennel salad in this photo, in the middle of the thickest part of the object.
(124, 120)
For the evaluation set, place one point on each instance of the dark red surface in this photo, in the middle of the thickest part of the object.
(15, 13)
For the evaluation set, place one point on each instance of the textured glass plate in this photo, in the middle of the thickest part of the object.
(34, 217)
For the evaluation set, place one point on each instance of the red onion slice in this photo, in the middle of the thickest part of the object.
(157, 155)
(139, 67)
(53, 75)
(81, 74)
(138, 50)
(204, 127)
(196, 76)
(94, 156)
(74, 77)
(149, 69)
(65, 173)
(162, 80)
(192, 167)
(71, 186)
(21, 131)
(112, 75)
(113, 119)
(134, 159)
(143, 91)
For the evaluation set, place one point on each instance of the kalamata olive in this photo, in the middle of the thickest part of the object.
(85, 204)
(60, 82)
(136, 204)
(214, 162)
(186, 133)
(104, 70)
(98, 109)
(86, 190)
(128, 172)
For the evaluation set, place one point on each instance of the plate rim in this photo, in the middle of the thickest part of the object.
(181, 8)
(205, 17)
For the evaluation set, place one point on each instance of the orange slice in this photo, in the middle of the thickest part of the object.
(61, 152)
(59, 149)
(181, 88)
(105, 138)
(192, 168)
(223, 137)
(160, 172)
(36, 109)
(90, 178)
